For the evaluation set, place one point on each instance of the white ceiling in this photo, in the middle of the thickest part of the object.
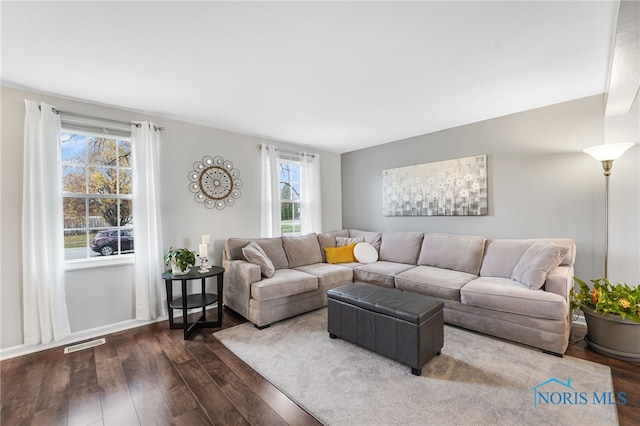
(337, 76)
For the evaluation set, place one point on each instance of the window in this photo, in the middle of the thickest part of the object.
(289, 196)
(96, 191)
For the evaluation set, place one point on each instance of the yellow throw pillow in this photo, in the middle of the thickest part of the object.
(342, 254)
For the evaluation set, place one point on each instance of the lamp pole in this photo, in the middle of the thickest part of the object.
(606, 165)
(606, 154)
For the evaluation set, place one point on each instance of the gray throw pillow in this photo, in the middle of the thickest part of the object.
(344, 241)
(371, 237)
(536, 263)
(271, 246)
(253, 253)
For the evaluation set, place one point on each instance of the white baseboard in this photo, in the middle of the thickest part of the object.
(79, 336)
(19, 350)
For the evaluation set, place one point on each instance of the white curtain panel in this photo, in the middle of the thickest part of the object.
(270, 192)
(43, 287)
(310, 194)
(150, 294)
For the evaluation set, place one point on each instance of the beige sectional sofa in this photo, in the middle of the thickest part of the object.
(517, 289)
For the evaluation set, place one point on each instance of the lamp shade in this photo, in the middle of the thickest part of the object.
(608, 151)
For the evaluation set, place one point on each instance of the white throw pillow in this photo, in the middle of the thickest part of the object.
(365, 253)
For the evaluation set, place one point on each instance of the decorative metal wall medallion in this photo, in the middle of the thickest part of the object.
(215, 182)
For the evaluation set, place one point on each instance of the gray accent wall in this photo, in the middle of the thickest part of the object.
(102, 296)
(540, 183)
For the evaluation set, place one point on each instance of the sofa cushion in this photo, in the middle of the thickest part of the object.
(436, 282)
(457, 252)
(303, 250)
(373, 238)
(380, 273)
(253, 253)
(271, 246)
(329, 276)
(505, 295)
(342, 254)
(501, 256)
(351, 265)
(401, 247)
(285, 282)
(365, 253)
(536, 263)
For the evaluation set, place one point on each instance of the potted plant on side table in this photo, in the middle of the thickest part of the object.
(612, 313)
(181, 260)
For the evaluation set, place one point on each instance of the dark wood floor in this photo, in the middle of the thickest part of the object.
(150, 375)
(625, 375)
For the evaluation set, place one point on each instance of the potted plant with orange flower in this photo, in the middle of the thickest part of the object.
(612, 312)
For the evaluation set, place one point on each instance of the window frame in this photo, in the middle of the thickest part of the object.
(296, 224)
(89, 260)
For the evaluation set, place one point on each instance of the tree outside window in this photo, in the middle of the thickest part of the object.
(289, 197)
(96, 179)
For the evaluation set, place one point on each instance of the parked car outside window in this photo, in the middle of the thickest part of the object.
(106, 242)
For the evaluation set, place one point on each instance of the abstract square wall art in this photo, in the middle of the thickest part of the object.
(455, 187)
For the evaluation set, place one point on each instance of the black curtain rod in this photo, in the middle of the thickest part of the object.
(127, 123)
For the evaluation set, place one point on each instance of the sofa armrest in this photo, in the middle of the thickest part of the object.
(560, 281)
(239, 275)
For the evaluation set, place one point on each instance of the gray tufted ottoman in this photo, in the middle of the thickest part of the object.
(406, 327)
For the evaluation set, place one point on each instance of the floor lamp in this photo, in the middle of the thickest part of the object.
(606, 154)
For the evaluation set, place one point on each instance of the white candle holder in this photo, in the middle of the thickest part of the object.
(203, 264)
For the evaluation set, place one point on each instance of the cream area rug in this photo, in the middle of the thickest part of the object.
(476, 380)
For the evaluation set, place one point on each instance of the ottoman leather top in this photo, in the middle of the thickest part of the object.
(410, 307)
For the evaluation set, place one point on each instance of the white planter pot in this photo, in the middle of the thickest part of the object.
(175, 270)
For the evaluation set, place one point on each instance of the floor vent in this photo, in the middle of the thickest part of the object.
(85, 345)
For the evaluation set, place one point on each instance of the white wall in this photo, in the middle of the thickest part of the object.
(241, 220)
(541, 184)
(624, 239)
(101, 296)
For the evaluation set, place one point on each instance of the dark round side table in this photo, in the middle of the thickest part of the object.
(188, 301)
